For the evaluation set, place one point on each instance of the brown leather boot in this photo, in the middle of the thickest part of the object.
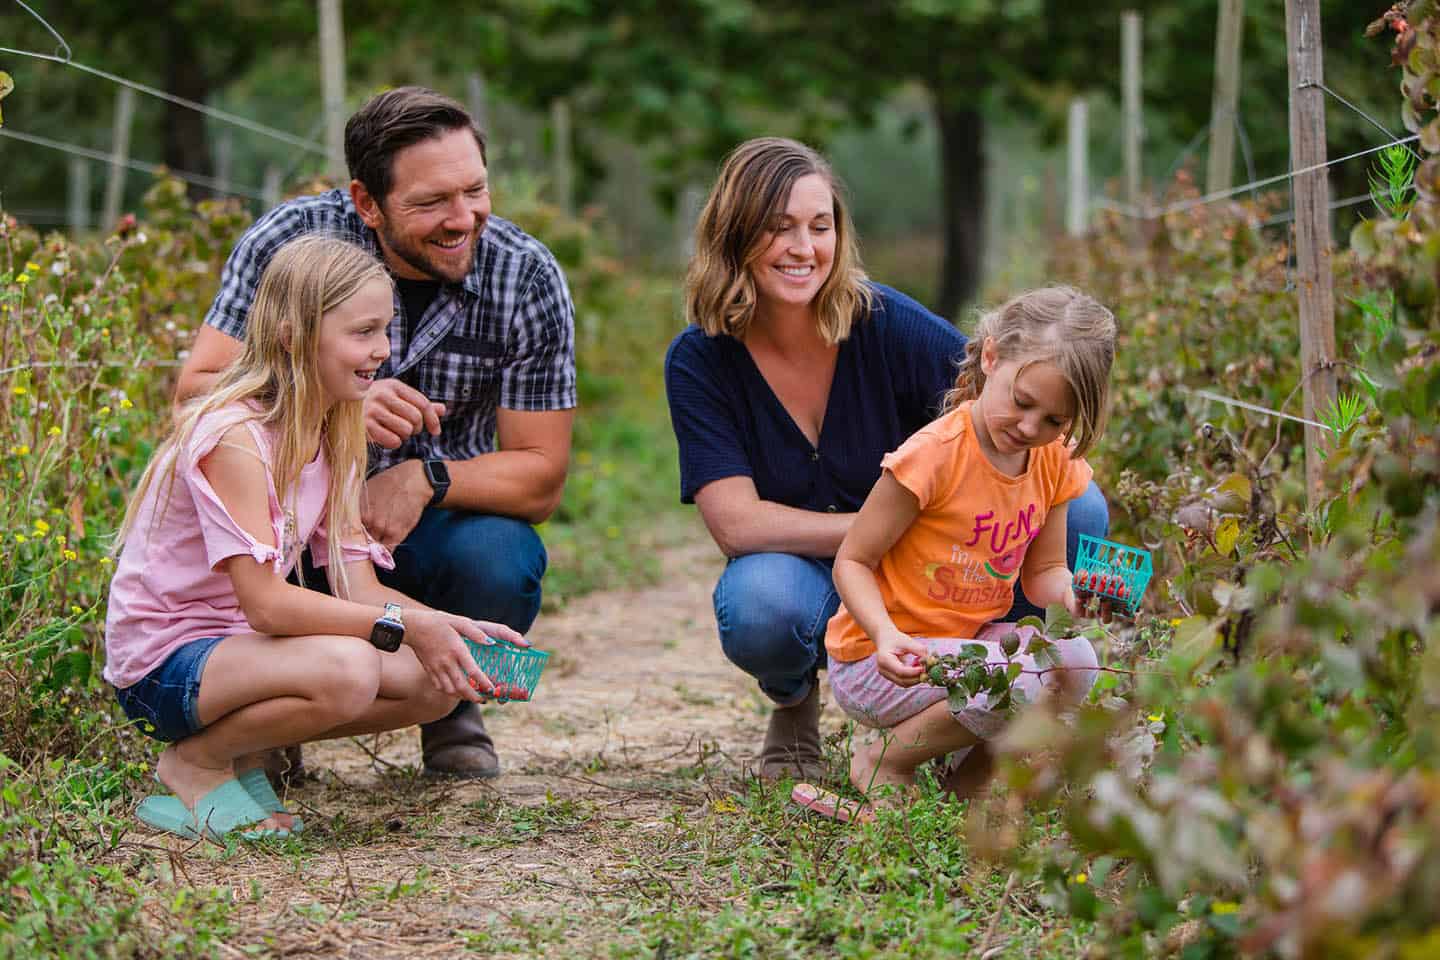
(458, 746)
(792, 742)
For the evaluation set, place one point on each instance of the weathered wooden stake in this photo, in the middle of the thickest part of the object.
(78, 213)
(1313, 276)
(1130, 35)
(475, 102)
(1077, 194)
(332, 87)
(560, 163)
(1220, 164)
(270, 187)
(119, 156)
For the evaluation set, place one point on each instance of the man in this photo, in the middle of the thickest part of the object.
(472, 412)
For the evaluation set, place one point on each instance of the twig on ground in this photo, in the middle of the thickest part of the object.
(999, 912)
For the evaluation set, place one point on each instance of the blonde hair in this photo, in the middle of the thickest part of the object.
(735, 227)
(1057, 325)
(277, 379)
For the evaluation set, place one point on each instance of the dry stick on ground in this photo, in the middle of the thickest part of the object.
(999, 912)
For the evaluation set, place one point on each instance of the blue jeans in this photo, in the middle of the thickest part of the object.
(477, 565)
(165, 702)
(772, 608)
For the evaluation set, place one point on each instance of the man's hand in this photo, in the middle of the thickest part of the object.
(435, 637)
(395, 411)
(394, 500)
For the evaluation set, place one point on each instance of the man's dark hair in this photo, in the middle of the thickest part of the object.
(394, 120)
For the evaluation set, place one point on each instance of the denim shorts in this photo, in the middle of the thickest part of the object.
(164, 702)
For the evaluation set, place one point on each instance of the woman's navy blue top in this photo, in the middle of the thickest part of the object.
(890, 376)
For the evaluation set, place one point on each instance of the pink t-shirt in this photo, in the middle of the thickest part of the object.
(167, 590)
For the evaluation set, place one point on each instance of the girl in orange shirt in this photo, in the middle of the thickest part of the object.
(969, 503)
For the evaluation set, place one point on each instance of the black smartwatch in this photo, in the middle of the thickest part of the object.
(439, 476)
(389, 630)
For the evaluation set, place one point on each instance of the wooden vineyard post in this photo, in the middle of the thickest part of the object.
(1313, 275)
(332, 87)
(1220, 164)
(1130, 34)
(119, 157)
(1077, 194)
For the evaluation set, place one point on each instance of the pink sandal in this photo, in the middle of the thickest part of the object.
(831, 805)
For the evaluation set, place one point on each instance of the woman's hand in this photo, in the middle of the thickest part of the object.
(901, 658)
(436, 639)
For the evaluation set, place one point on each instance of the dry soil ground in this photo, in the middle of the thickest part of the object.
(638, 723)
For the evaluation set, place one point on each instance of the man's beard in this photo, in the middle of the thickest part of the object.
(416, 257)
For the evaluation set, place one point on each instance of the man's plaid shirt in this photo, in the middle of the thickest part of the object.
(503, 337)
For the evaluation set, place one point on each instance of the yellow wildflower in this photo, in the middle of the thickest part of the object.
(20, 450)
(125, 403)
(105, 561)
(20, 538)
(104, 331)
(1223, 907)
(1080, 879)
(23, 279)
(32, 267)
(71, 555)
(61, 539)
(75, 611)
(19, 390)
(1155, 717)
(104, 411)
(41, 526)
(54, 431)
(1176, 622)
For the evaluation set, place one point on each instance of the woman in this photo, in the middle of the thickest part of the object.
(794, 377)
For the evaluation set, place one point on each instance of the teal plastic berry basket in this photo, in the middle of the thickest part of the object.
(1112, 570)
(514, 670)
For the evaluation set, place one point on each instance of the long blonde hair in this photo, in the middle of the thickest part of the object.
(277, 380)
(1058, 325)
(735, 228)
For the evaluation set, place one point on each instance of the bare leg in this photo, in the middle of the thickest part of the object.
(891, 761)
(259, 692)
(967, 778)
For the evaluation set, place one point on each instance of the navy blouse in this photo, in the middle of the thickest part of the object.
(890, 376)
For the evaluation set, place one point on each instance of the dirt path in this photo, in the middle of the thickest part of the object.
(639, 719)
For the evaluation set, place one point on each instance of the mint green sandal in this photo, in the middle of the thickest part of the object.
(228, 807)
(258, 786)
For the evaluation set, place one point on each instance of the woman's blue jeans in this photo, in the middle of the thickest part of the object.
(772, 608)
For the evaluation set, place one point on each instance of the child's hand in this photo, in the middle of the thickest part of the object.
(435, 638)
(901, 659)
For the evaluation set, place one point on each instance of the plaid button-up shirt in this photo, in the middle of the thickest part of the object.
(502, 337)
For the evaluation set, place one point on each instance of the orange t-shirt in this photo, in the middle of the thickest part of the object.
(955, 569)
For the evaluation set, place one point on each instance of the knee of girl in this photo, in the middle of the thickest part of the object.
(1080, 667)
(432, 705)
(347, 673)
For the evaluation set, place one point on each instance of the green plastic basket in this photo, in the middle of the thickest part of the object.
(1112, 570)
(514, 670)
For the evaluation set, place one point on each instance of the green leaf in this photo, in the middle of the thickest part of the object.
(1226, 534)
(1032, 621)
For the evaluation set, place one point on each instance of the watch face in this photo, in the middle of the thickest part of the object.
(386, 635)
(437, 473)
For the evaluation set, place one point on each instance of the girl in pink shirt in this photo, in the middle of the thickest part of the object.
(208, 647)
(965, 508)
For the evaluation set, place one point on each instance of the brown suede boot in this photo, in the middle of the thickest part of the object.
(792, 742)
(285, 767)
(458, 746)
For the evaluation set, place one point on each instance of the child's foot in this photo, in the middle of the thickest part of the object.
(871, 774)
(191, 778)
(259, 788)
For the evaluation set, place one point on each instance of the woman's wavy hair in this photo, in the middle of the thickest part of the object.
(276, 379)
(736, 225)
(1058, 325)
